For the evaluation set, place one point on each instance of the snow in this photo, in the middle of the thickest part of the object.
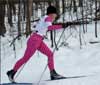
(70, 60)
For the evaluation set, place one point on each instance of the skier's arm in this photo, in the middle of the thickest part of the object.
(50, 26)
(54, 27)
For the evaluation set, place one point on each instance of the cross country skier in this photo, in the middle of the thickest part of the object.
(35, 42)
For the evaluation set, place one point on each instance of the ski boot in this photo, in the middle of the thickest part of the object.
(55, 76)
(10, 75)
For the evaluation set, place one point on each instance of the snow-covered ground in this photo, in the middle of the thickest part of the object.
(69, 60)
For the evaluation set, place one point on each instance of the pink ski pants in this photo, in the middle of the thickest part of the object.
(34, 43)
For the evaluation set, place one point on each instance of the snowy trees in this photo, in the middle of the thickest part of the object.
(21, 14)
(24, 8)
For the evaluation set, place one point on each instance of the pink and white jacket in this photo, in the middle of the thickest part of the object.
(45, 24)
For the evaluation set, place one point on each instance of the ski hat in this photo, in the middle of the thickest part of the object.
(51, 9)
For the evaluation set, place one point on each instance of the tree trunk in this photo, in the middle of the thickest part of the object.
(75, 7)
(19, 18)
(80, 3)
(96, 19)
(58, 7)
(29, 13)
(2, 15)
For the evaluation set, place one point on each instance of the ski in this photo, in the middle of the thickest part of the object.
(21, 84)
(17, 84)
(71, 77)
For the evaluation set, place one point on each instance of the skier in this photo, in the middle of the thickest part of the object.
(35, 42)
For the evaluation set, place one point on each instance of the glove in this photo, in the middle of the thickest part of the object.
(64, 25)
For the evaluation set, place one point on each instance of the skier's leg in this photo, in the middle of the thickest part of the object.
(27, 55)
(45, 50)
(32, 45)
